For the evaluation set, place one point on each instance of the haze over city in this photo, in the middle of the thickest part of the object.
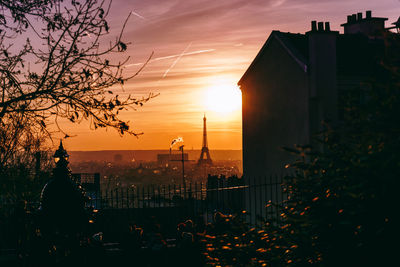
(201, 49)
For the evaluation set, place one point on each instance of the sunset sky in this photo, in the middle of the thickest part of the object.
(201, 49)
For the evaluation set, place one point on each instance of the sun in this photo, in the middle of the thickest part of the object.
(223, 98)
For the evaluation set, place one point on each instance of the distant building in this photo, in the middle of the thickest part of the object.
(118, 158)
(297, 80)
(164, 159)
(90, 182)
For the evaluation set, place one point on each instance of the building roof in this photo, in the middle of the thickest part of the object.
(356, 53)
(294, 44)
(364, 20)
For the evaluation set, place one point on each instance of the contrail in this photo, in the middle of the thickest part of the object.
(176, 61)
(185, 54)
(173, 56)
(278, 3)
(137, 15)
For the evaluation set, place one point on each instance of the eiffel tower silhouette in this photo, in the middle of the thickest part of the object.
(205, 153)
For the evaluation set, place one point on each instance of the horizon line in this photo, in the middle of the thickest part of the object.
(220, 149)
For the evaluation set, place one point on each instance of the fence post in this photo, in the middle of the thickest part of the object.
(195, 201)
(217, 197)
(180, 191)
(190, 199)
(123, 199)
(266, 196)
(249, 194)
(207, 200)
(148, 196)
(276, 196)
(116, 197)
(127, 196)
(169, 195)
(164, 196)
(143, 200)
(134, 193)
(263, 197)
(112, 198)
(159, 195)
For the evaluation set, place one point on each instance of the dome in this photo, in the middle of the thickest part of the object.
(63, 202)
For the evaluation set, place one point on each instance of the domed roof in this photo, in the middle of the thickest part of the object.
(63, 200)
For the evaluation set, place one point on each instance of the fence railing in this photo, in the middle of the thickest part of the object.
(171, 204)
(257, 196)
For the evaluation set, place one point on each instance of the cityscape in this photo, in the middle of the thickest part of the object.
(199, 133)
(122, 169)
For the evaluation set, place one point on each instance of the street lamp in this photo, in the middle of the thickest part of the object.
(183, 166)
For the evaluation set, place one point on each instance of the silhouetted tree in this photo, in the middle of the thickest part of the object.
(55, 64)
(61, 69)
(24, 160)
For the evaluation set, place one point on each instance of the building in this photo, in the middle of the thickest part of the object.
(297, 80)
(174, 159)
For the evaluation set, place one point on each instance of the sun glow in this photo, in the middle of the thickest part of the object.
(223, 98)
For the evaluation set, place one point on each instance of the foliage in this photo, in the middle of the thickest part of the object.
(25, 163)
(22, 180)
(231, 242)
(61, 69)
(55, 63)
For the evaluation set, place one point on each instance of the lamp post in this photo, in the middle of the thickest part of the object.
(183, 167)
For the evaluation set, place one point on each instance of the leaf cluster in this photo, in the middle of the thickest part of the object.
(53, 64)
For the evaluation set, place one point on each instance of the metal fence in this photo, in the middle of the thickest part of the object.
(257, 196)
(170, 204)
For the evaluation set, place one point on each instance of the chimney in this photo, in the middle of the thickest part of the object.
(320, 26)
(370, 26)
(322, 74)
(313, 26)
(327, 27)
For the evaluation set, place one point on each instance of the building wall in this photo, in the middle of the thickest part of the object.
(275, 111)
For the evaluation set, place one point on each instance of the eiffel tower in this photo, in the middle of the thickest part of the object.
(205, 153)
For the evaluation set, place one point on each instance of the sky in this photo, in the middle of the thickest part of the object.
(201, 49)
